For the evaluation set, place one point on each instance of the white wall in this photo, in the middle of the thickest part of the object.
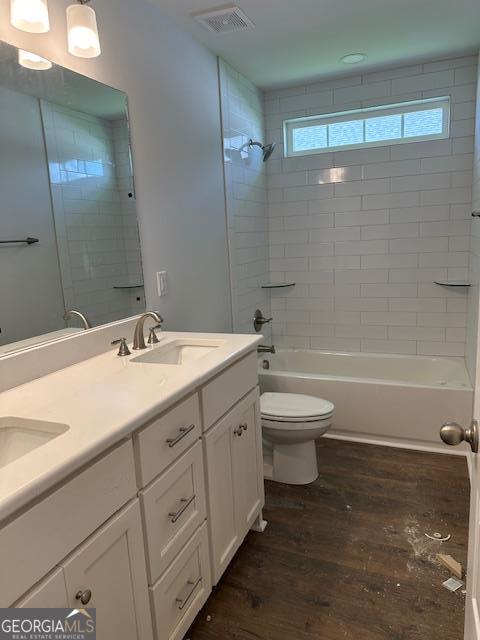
(365, 244)
(473, 295)
(246, 197)
(172, 85)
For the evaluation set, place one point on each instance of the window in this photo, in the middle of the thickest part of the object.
(372, 127)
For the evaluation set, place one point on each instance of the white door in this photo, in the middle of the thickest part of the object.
(472, 607)
(108, 572)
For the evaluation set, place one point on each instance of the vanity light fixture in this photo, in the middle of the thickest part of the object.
(83, 40)
(30, 15)
(32, 61)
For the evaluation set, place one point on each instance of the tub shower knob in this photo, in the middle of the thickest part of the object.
(259, 320)
(453, 434)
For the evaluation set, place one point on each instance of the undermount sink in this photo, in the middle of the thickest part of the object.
(179, 352)
(19, 436)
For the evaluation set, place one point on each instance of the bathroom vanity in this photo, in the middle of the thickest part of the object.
(131, 481)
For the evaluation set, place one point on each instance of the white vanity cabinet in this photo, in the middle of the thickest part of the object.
(235, 479)
(144, 531)
(108, 573)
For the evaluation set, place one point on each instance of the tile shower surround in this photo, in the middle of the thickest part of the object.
(365, 232)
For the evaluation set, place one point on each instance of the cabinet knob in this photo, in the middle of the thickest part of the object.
(84, 596)
(238, 432)
(244, 427)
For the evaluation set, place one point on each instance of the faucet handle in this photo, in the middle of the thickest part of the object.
(152, 336)
(123, 349)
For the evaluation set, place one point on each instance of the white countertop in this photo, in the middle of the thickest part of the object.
(102, 400)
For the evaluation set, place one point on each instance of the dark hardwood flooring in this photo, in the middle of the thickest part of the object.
(346, 557)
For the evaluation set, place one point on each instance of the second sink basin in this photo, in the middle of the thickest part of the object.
(19, 436)
(179, 352)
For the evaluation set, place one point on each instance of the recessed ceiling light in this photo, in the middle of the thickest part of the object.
(354, 58)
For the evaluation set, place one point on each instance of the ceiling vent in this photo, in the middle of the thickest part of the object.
(225, 19)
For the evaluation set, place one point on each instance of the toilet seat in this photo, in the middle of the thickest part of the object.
(294, 408)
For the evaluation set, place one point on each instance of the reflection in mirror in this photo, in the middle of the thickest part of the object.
(68, 226)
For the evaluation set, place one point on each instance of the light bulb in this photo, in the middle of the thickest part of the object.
(32, 61)
(83, 40)
(30, 15)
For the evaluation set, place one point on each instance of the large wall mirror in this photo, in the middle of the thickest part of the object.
(68, 226)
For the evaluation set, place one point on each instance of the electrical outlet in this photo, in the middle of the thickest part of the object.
(162, 283)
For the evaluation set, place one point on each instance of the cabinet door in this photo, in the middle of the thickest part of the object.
(49, 593)
(111, 565)
(248, 464)
(222, 513)
(235, 479)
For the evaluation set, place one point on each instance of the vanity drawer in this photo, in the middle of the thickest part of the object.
(183, 590)
(219, 395)
(34, 542)
(173, 508)
(165, 439)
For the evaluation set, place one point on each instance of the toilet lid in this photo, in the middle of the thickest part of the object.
(294, 406)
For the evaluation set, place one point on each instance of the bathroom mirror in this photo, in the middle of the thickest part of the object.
(68, 226)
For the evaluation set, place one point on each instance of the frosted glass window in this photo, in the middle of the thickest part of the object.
(373, 127)
(423, 123)
(345, 133)
(383, 128)
(306, 138)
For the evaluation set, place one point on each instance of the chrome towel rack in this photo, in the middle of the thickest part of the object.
(24, 241)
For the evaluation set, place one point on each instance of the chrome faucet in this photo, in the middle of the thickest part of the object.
(72, 313)
(138, 336)
(263, 348)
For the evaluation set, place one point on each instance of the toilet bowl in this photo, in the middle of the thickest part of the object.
(290, 425)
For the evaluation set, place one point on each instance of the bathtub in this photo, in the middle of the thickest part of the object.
(389, 399)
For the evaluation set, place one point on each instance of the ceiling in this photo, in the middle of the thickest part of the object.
(297, 40)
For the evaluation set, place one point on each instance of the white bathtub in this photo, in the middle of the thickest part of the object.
(395, 399)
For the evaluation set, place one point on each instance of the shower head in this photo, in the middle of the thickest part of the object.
(267, 149)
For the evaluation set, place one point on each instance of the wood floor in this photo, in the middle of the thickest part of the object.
(346, 557)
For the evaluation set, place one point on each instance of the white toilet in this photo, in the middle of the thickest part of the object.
(290, 424)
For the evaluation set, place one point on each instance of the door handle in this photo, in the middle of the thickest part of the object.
(453, 434)
(186, 502)
(183, 431)
(194, 584)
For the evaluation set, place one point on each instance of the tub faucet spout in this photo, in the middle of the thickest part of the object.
(263, 348)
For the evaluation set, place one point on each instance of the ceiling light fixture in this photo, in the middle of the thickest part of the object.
(30, 15)
(32, 61)
(354, 58)
(83, 40)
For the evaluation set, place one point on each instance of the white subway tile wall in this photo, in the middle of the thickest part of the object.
(473, 296)
(95, 220)
(366, 232)
(246, 197)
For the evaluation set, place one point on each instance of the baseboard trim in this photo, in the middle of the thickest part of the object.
(400, 444)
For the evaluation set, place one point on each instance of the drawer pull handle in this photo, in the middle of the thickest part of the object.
(84, 596)
(184, 431)
(194, 585)
(238, 432)
(244, 427)
(186, 502)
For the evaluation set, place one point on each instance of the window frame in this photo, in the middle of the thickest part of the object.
(412, 106)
